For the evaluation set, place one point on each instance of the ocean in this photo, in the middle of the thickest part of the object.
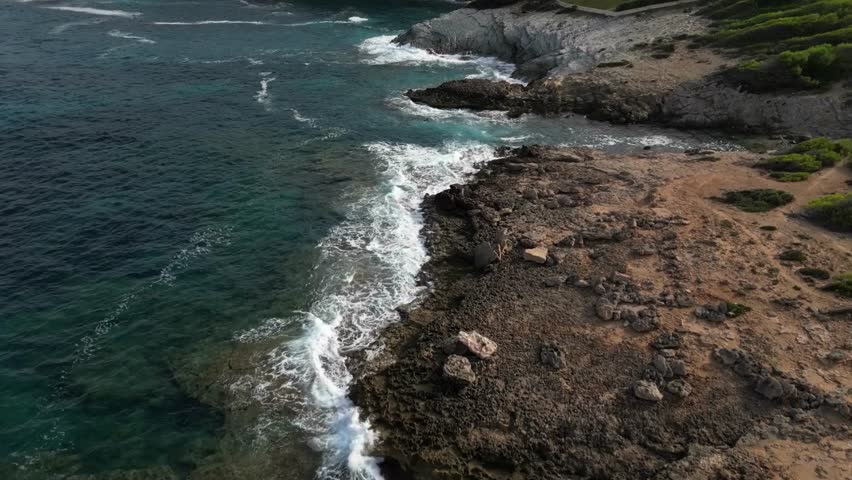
(206, 207)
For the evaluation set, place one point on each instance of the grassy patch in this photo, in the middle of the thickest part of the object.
(841, 284)
(833, 211)
(769, 228)
(816, 273)
(759, 200)
(736, 309)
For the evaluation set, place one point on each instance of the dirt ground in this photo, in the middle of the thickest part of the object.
(638, 249)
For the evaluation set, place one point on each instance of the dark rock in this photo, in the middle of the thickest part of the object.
(483, 255)
(457, 369)
(667, 340)
(679, 387)
(770, 387)
(550, 356)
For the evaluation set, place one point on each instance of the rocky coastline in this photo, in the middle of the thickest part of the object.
(581, 325)
(642, 69)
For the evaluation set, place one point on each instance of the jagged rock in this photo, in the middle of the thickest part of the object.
(679, 387)
(457, 369)
(713, 312)
(727, 356)
(604, 309)
(551, 356)
(647, 391)
(646, 322)
(536, 255)
(678, 367)
(531, 194)
(581, 283)
(684, 299)
(667, 340)
(553, 282)
(477, 344)
(483, 255)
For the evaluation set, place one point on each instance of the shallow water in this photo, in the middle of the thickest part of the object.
(178, 177)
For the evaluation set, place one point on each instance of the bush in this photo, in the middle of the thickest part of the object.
(792, 256)
(735, 310)
(790, 176)
(841, 284)
(833, 211)
(760, 200)
(792, 162)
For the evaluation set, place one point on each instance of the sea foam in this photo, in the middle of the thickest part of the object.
(367, 267)
(97, 11)
(382, 50)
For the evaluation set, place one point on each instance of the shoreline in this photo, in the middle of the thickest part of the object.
(582, 370)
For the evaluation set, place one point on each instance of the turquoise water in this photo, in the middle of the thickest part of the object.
(173, 184)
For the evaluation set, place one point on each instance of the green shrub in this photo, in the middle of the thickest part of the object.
(760, 200)
(841, 284)
(790, 176)
(828, 152)
(792, 162)
(736, 309)
(833, 211)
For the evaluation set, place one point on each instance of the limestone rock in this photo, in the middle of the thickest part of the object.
(647, 391)
(477, 344)
(536, 255)
(457, 369)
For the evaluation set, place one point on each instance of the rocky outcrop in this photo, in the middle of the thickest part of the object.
(621, 70)
(544, 42)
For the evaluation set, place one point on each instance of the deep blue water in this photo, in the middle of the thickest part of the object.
(168, 187)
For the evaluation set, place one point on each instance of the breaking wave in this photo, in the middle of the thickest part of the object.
(367, 267)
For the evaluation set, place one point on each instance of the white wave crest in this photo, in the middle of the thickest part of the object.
(262, 96)
(382, 50)
(215, 22)
(367, 266)
(350, 20)
(129, 36)
(97, 11)
(409, 107)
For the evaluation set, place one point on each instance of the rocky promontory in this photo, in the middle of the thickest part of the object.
(626, 69)
(599, 316)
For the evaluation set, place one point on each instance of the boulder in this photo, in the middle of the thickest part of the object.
(647, 391)
(770, 387)
(457, 369)
(476, 344)
(536, 255)
(483, 255)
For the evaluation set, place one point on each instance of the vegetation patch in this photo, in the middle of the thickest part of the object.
(833, 211)
(841, 284)
(759, 200)
(816, 273)
(790, 176)
(795, 44)
(792, 162)
(769, 228)
(736, 309)
(806, 158)
(792, 255)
